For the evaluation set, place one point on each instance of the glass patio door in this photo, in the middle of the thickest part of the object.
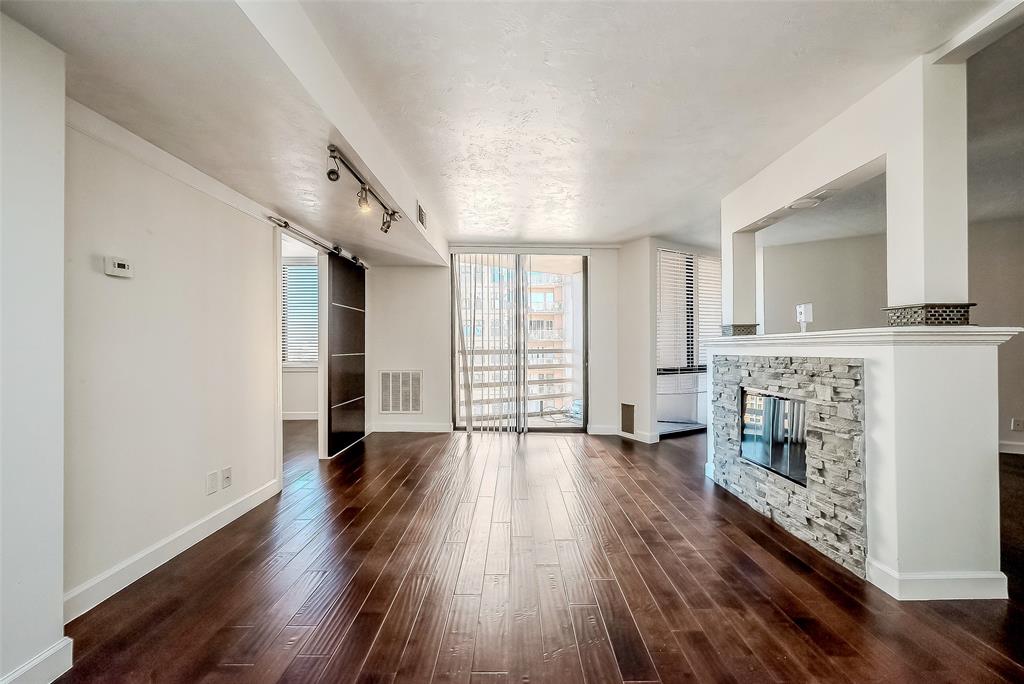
(519, 331)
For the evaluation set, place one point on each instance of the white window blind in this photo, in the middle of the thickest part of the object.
(300, 335)
(676, 347)
(709, 303)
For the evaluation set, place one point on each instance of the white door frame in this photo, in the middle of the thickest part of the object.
(323, 292)
(322, 384)
(278, 348)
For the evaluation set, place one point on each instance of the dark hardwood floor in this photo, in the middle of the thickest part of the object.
(299, 446)
(1011, 509)
(546, 558)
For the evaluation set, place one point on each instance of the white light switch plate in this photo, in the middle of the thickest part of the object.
(805, 313)
(212, 482)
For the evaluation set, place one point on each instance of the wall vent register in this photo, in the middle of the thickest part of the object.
(401, 391)
(421, 215)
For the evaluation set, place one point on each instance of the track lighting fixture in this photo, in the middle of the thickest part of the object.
(334, 174)
(363, 200)
(335, 158)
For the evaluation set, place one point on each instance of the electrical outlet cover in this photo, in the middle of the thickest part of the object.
(225, 478)
(212, 482)
(1017, 424)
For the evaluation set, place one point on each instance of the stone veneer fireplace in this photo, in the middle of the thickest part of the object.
(829, 512)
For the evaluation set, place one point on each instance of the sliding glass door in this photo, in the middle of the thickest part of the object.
(519, 329)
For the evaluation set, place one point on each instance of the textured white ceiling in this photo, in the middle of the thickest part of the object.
(197, 80)
(995, 172)
(854, 212)
(598, 122)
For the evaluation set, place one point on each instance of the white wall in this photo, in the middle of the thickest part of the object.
(299, 393)
(636, 334)
(408, 327)
(32, 646)
(169, 375)
(603, 339)
(843, 278)
(996, 279)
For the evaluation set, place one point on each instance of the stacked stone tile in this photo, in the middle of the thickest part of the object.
(829, 513)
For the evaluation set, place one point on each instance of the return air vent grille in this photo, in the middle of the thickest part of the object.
(401, 391)
(421, 215)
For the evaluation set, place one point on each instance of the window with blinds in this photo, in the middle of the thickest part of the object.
(677, 314)
(709, 303)
(300, 335)
(689, 301)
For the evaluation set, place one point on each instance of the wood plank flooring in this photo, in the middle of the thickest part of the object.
(545, 558)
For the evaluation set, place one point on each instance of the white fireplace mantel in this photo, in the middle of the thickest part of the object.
(931, 450)
(912, 335)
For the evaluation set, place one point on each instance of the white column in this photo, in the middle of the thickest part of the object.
(32, 643)
(926, 189)
(739, 281)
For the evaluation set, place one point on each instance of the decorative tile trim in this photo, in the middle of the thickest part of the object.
(737, 329)
(929, 314)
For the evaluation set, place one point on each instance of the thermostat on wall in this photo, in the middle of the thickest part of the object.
(117, 267)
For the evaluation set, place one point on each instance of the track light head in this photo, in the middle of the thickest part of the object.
(363, 200)
(333, 154)
(385, 222)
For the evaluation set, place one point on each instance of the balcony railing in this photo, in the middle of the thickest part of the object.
(505, 352)
(545, 307)
(547, 334)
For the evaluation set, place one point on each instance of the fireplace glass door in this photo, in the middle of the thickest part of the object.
(772, 434)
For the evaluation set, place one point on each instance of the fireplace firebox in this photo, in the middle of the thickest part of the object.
(773, 433)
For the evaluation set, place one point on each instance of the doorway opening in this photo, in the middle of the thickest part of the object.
(520, 342)
(688, 311)
(301, 359)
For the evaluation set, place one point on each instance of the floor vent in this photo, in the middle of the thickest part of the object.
(626, 421)
(400, 391)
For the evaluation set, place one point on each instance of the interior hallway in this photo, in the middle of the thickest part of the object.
(551, 557)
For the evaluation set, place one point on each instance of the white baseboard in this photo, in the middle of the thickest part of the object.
(299, 415)
(96, 590)
(44, 667)
(645, 437)
(412, 427)
(709, 470)
(602, 429)
(1011, 447)
(937, 586)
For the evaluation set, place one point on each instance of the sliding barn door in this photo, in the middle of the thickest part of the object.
(346, 344)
